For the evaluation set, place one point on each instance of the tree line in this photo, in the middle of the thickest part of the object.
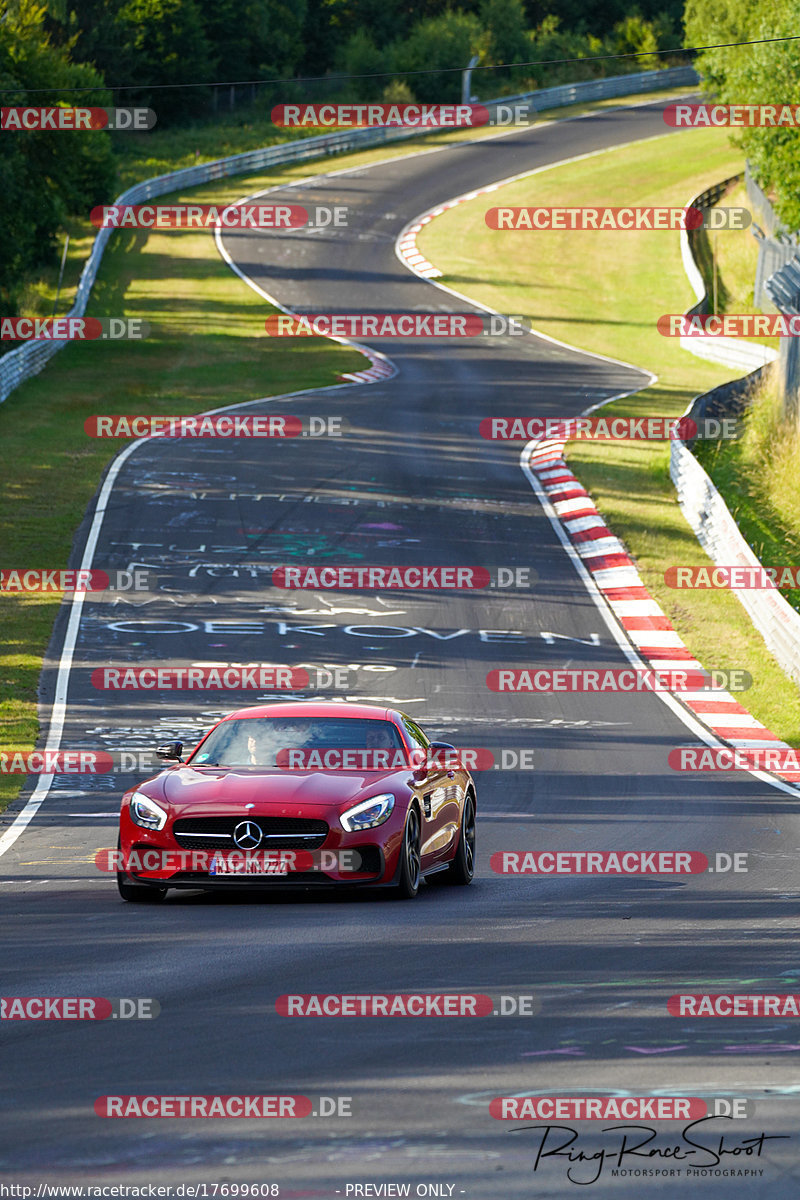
(146, 52)
(765, 74)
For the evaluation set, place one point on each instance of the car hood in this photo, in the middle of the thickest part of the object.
(229, 790)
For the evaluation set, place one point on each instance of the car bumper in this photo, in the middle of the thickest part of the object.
(367, 858)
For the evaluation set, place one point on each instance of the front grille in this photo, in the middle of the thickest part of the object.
(279, 833)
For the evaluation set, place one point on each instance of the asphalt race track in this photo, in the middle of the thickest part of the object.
(410, 481)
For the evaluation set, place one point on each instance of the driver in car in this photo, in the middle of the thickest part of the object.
(379, 737)
(262, 745)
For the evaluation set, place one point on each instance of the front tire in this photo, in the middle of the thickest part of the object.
(410, 858)
(462, 868)
(138, 892)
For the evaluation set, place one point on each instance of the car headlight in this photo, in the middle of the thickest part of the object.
(368, 813)
(146, 812)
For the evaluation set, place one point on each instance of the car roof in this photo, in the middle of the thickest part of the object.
(316, 708)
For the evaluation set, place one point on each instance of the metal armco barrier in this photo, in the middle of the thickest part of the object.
(720, 536)
(783, 289)
(730, 352)
(29, 359)
(703, 506)
(776, 244)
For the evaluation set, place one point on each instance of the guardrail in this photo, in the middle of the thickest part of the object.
(777, 245)
(31, 358)
(783, 289)
(601, 89)
(730, 352)
(720, 536)
(704, 508)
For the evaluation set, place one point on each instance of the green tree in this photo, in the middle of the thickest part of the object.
(550, 42)
(599, 17)
(44, 175)
(361, 57)
(766, 74)
(636, 35)
(505, 39)
(254, 38)
(166, 44)
(435, 44)
(506, 30)
(141, 44)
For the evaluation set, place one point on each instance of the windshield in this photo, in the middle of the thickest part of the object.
(257, 741)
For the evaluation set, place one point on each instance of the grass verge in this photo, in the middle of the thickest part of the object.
(757, 475)
(205, 350)
(604, 292)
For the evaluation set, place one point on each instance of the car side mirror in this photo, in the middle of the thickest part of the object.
(436, 756)
(443, 754)
(171, 751)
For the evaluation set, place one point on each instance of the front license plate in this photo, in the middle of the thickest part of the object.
(247, 866)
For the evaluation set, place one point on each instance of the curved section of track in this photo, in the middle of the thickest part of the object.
(411, 481)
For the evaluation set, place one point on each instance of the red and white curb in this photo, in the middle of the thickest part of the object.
(406, 247)
(382, 368)
(408, 251)
(645, 623)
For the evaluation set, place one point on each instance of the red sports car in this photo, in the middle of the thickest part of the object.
(302, 793)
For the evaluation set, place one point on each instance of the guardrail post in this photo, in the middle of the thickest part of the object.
(783, 289)
(466, 79)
